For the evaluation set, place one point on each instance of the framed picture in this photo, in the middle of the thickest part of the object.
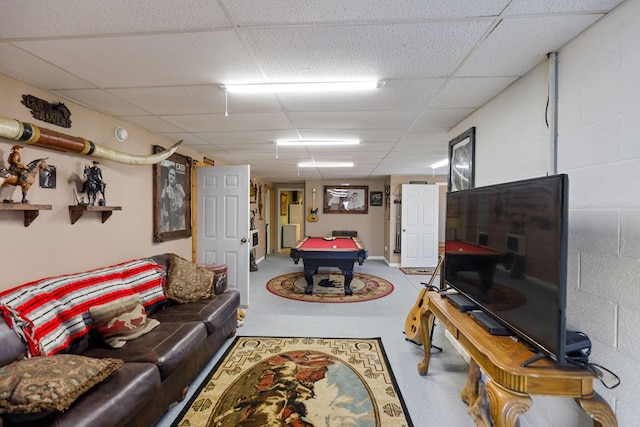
(171, 197)
(348, 199)
(376, 198)
(284, 204)
(47, 178)
(462, 152)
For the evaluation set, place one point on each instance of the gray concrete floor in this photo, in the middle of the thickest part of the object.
(431, 400)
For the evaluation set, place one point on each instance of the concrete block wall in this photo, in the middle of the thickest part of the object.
(599, 148)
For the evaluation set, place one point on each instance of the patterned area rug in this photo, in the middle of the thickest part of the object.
(299, 382)
(416, 271)
(329, 287)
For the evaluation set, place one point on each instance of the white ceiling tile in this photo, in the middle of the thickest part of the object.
(529, 7)
(257, 12)
(364, 52)
(145, 60)
(28, 68)
(218, 122)
(518, 45)
(469, 92)
(102, 101)
(354, 119)
(72, 17)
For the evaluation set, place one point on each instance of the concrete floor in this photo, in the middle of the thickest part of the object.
(431, 400)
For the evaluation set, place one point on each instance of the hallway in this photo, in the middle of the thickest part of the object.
(431, 401)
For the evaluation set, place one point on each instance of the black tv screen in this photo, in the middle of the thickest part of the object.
(506, 250)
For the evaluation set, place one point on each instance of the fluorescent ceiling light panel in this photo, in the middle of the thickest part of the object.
(440, 164)
(325, 165)
(302, 87)
(320, 142)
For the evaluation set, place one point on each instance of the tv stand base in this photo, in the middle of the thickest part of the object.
(508, 385)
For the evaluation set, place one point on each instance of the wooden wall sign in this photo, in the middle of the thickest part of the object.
(57, 114)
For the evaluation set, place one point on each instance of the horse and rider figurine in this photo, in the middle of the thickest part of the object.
(19, 174)
(94, 184)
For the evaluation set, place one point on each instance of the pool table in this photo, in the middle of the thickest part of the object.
(462, 256)
(339, 252)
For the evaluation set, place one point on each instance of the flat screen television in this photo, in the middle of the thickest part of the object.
(506, 251)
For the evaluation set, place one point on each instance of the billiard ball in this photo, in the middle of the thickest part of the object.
(334, 246)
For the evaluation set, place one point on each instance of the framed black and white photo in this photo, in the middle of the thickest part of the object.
(47, 178)
(462, 153)
(171, 197)
(346, 199)
(376, 198)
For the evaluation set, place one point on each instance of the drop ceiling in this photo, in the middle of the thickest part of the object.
(159, 65)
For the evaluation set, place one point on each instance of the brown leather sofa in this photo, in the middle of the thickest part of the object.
(158, 366)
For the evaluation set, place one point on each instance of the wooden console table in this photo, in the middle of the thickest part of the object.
(508, 385)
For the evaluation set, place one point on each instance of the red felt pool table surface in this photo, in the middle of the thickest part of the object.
(469, 249)
(337, 244)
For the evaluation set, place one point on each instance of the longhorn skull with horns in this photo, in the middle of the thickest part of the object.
(31, 134)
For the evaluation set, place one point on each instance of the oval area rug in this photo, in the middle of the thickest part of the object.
(329, 287)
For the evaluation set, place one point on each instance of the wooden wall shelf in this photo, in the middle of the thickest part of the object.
(76, 211)
(30, 211)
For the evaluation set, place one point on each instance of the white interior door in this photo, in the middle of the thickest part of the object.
(419, 221)
(222, 221)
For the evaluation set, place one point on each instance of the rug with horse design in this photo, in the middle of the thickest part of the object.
(328, 286)
(301, 382)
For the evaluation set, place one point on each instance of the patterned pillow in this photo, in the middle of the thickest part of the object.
(186, 282)
(41, 385)
(121, 320)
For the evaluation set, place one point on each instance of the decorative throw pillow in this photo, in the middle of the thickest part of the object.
(122, 320)
(41, 385)
(186, 282)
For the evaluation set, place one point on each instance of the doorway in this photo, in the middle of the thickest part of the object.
(290, 212)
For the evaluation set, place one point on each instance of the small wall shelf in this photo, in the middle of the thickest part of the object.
(76, 211)
(30, 211)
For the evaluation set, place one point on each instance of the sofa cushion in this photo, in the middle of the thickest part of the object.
(40, 385)
(112, 402)
(167, 346)
(213, 313)
(186, 282)
(121, 320)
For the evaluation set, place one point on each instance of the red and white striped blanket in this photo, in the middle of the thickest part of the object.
(49, 313)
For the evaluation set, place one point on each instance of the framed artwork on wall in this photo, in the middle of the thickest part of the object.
(347, 199)
(284, 204)
(171, 197)
(462, 153)
(376, 198)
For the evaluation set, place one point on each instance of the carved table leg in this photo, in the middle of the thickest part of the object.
(506, 406)
(470, 392)
(599, 410)
(426, 321)
(480, 411)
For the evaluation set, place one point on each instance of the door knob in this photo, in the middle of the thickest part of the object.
(243, 240)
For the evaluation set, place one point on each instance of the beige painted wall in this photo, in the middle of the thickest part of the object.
(51, 245)
(369, 227)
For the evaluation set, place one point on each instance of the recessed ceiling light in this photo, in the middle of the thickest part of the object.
(303, 87)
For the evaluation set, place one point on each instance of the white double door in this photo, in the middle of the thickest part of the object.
(419, 222)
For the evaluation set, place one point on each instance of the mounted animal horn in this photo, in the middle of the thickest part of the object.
(46, 138)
